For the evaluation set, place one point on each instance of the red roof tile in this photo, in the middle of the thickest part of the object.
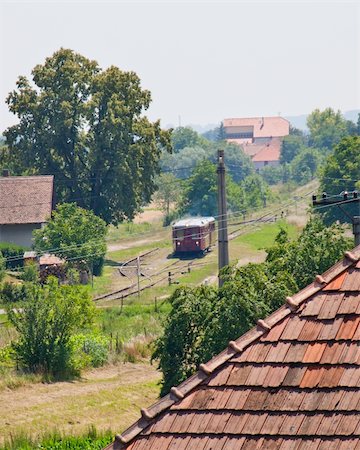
(262, 126)
(25, 199)
(296, 386)
(270, 152)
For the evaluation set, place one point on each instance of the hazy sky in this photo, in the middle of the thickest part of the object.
(202, 61)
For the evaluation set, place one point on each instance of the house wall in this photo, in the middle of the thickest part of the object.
(262, 140)
(261, 164)
(20, 234)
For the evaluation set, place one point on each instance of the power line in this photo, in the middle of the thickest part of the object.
(66, 249)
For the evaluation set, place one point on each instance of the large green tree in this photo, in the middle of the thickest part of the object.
(200, 193)
(168, 193)
(186, 137)
(291, 146)
(86, 126)
(305, 165)
(326, 128)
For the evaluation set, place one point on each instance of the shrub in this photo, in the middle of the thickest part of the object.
(30, 272)
(13, 254)
(13, 293)
(6, 355)
(89, 350)
(46, 323)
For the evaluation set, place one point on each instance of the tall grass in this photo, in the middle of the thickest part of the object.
(92, 440)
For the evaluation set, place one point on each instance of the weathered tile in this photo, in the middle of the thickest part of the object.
(311, 377)
(276, 331)
(349, 304)
(348, 327)
(314, 352)
(336, 283)
(313, 305)
(330, 305)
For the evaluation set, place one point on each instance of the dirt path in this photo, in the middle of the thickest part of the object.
(108, 398)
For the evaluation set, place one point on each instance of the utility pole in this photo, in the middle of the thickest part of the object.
(338, 200)
(223, 257)
(138, 275)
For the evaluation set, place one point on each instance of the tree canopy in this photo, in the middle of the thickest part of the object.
(76, 235)
(326, 128)
(85, 126)
(341, 173)
(186, 137)
(291, 147)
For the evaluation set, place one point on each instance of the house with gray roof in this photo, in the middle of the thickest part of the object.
(26, 204)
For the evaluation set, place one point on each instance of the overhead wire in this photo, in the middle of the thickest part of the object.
(62, 250)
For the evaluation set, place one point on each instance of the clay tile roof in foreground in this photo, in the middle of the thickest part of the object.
(293, 382)
(25, 199)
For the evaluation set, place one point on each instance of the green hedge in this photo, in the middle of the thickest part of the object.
(13, 251)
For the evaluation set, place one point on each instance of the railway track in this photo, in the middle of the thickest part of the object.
(178, 267)
(130, 262)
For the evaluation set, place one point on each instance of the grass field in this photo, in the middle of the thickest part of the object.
(110, 397)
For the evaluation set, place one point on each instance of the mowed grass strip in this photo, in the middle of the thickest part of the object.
(110, 400)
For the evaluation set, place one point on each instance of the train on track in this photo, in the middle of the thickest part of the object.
(193, 235)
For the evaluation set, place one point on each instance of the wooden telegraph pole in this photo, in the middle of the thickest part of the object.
(223, 243)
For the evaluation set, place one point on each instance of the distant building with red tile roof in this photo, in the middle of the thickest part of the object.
(258, 136)
(293, 382)
(25, 205)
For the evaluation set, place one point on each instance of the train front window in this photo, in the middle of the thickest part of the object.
(195, 234)
(179, 234)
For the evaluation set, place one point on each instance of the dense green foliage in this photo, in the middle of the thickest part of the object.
(13, 293)
(30, 273)
(85, 126)
(204, 319)
(180, 348)
(290, 147)
(13, 254)
(341, 173)
(327, 128)
(2, 266)
(199, 195)
(76, 235)
(169, 189)
(304, 166)
(88, 350)
(46, 323)
(200, 192)
(183, 162)
(183, 137)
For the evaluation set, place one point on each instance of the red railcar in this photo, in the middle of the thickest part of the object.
(194, 235)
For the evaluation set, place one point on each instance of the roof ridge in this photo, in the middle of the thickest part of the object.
(25, 177)
(262, 327)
